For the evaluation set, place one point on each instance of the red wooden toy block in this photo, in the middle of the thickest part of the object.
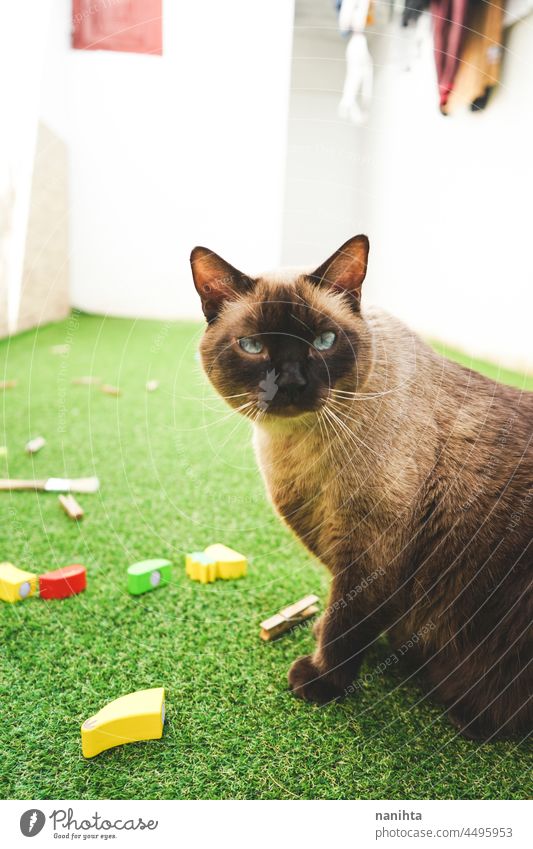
(63, 582)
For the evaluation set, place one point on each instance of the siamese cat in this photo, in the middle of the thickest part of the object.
(409, 476)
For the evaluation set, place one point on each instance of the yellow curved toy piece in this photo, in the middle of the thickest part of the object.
(137, 716)
(200, 567)
(16, 584)
(230, 564)
(216, 561)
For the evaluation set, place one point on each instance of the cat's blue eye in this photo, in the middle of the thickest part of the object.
(324, 341)
(250, 345)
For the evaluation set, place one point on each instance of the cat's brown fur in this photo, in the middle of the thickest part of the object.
(409, 476)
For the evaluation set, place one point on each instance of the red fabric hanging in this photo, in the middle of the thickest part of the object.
(132, 26)
(448, 32)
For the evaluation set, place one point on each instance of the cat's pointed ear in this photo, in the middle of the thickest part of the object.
(345, 270)
(216, 280)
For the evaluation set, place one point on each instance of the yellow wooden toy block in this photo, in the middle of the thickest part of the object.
(230, 564)
(216, 561)
(200, 567)
(137, 716)
(16, 584)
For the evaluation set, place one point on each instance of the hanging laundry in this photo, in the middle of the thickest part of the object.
(412, 11)
(479, 68)
(448, 33)
(358, 83)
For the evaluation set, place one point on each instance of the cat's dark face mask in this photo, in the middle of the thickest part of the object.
(276, 349)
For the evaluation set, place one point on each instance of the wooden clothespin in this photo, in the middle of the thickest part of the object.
(290, 616)
(8, 384)
(51, 485)
(71, 507)
(110, 390)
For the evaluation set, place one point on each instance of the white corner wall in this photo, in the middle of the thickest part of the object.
(22, 56)
(450, 206)
(173, 151)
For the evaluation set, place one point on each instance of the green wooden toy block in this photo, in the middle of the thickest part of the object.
(147, 575)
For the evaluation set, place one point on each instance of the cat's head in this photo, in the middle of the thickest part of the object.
(279, 344)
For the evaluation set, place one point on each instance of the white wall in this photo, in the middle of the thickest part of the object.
(168, 152)
(23, 47)
(450, 210)
(325, 194)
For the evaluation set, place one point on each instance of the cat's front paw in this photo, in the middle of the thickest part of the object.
(307, 682)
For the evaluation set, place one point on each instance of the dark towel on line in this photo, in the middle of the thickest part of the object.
(412, 11)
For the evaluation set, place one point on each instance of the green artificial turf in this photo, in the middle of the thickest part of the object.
(492, 370)
(177, 473)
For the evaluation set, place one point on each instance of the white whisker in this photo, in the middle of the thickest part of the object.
(218, 421)
(351, 435)
(362, 396)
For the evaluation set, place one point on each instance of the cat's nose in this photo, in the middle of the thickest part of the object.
(291, 377)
